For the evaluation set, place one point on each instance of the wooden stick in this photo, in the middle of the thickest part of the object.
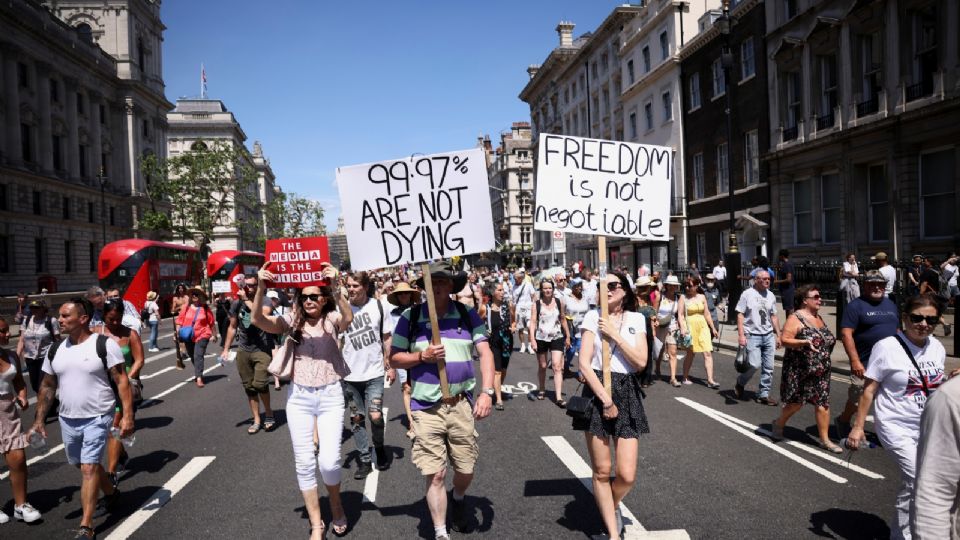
(604, 311)
(435, 328)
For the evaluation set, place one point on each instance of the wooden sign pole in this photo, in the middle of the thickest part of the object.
(435, 328)
(604, 310)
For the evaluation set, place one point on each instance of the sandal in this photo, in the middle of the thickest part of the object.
(674, 383)
(561, 403)
(498, 406)
(541, 395)
(830, 447)
(321, 528)
(268, 423)
(255, 427)
(339, 525)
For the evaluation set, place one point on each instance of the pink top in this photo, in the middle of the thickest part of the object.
(318, 361)
(203, 326)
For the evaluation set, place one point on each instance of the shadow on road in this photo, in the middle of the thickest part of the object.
(418, 509)
(153, 422)
(46, 500)
(151, 463)
(580, 514)
(848, 524)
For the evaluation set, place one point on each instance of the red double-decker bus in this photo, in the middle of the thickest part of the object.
(137, 266)
(226, 265)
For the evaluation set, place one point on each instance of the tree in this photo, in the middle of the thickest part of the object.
(293, 216)
(213, 185)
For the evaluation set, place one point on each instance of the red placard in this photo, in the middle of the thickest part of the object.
(296, 261)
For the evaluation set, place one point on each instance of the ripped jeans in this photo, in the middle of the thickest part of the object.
(363, 398)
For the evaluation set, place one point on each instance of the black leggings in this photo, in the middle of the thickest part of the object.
(35, 369)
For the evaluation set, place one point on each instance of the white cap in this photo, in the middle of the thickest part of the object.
(273, 294)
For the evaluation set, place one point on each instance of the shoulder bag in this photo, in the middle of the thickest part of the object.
(186, 332)
(281, 365)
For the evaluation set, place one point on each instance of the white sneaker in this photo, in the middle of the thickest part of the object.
(153, 350)
(3, 517)
(26, 513)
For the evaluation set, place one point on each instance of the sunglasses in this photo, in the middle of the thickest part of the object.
(612, 286)
(814, 297)
(932, 320)
(311, 297)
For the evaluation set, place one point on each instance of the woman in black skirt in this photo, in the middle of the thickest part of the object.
(501, 324)
(618, 416)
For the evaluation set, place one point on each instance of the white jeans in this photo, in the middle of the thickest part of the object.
(904, 451)
(307, 407)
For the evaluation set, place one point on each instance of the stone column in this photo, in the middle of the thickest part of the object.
(891, 55)
(11, 90)
(808, 109)
(45, 146)
(845, 74)
(72, 154)
(130, 134)
(96, 146)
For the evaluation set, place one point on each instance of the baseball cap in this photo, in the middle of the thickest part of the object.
(879, 256)
(873, 276)
(273, 294)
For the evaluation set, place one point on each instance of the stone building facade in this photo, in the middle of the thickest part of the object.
(81, 100)
(510, 170)
(706, 154)
(864, 108)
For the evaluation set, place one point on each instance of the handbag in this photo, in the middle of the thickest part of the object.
(186, 332)
(577, 405)
(136, 388)
(281, 365)
(741, 363)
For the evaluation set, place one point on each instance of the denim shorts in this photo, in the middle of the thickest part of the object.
(85, 438)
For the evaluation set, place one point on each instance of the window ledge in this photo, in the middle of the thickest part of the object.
(718, 96)
(694, 109)
(748, 78)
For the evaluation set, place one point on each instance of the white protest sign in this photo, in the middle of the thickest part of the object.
(605, 188)
(416, 209)
(221, 286)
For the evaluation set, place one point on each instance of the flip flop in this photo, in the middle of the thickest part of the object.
(339, 526)
(541, 395)
(268, 423)
(255, 427)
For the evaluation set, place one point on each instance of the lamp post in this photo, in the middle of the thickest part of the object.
(102, 178)
(732, 257)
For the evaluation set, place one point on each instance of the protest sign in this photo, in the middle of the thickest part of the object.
(599, 187)
(221, 286)
(416, 209)
(297, 261)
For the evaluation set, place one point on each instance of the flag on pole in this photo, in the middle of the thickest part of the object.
(203, 82)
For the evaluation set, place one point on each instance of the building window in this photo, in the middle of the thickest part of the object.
(723, 170)
(85, 32)
(631, 76)
(68, 255)
(648, 115)
(831, 198)
(701, 248)
(26, 143)
(606, 102)
(3, 199)
(23, 75)
(37, 203)
(938, 193)
(664, 46)
(604, 62)
(104, 161)
(576, 122)
(82, 155)
(593, 70)
(667, 107)
(802, 212)
(789, 9)
(694, 84)
(141, 56)
(828, 90)
(566, 96)
(719, 81)
(79, 103)
(879, 206)
(103, 114)
(925, 64)
(57, 145)
(113, 216)
(39, 255)
(145, 128)
(633, 126)
(92, 257)
(573, 89)
(66, 208)
(748, 66)
(524, 235)
(871, 65)
(5, 257)
(54, 91)
(90, 213)
(646, 58)
(792, 99)
(697, 176)
(751, 159)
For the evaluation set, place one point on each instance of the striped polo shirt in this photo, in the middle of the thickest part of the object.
(458, 343)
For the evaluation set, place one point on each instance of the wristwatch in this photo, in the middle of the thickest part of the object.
(488, 391)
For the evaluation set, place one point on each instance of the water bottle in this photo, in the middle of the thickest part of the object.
(36, 440)
(226, 360)
(863, 444)
(127, 441)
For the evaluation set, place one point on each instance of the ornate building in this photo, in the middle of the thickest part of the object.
(81, 99)
(510, 169)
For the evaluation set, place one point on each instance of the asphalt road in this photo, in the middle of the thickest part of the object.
(194, 471)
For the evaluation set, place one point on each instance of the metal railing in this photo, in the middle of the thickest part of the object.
(825, 122)
(790, 133)
(919, 90)
(867, 107)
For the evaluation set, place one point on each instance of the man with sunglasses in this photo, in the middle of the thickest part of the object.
(866, 320)
(254, 347)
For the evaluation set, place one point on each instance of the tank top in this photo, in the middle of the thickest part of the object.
(6, 378)
(548, 323)
(666, 310)
(127, 356)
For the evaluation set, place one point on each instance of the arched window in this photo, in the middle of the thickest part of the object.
(86, 33)
(199, 146)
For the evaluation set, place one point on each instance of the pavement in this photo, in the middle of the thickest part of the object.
(839, 361)
(705, 470)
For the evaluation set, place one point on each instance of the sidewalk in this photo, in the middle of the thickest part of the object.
(840, 362)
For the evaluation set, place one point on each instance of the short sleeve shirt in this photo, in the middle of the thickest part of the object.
(870, 323)
(249, 338)
(758, 311)
(84, 387)
(786, 268)
(363, 342)
(37, 338)
(633, 329)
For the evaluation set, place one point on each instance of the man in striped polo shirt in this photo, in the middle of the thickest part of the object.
(444, 428)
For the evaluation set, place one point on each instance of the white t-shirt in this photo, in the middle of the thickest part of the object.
(576, 308)
(889, 273)
(363, 343)
(521, 295)
(899, 402)
(590, 291)
(84, 387)
(633, 328)
(153, 309)
(758, 311)
(951, 270)
(720, 273)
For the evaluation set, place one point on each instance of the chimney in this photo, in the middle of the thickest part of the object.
(486, 144)
(532, 70)
(565, 31)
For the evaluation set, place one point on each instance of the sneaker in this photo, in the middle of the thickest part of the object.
(443, 537)
(458, 510)
(383, 458)
(26, 513)
(767, 400)
(843, 428)
(363, 470)
(85, 533)
(114, 480)
(3, 517)
(153, 349)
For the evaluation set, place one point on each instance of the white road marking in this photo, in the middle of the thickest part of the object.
(152, 375)
(809, 449)
(576, 465)
(716, 415)
(35, 459)
(161, 497)
(373, 479)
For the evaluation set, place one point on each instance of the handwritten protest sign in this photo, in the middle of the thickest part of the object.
(221, 286)
(599, 187)
(416, 209)
(297, 261)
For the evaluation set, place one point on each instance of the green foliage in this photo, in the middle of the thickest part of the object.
(292, 216)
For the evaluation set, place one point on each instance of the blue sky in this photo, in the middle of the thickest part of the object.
(328, 84)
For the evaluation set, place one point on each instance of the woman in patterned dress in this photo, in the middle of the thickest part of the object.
(806, 366)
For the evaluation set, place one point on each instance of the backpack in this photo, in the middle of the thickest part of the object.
(101, 352)
(415, 318)
(47, 323)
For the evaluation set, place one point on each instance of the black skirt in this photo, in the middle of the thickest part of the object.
(631, 420)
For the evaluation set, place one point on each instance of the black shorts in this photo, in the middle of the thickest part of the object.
(555, 345)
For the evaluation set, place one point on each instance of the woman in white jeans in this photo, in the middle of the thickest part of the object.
(315, 397)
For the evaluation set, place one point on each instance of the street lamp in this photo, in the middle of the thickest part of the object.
(732, 257)
(102, 178)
